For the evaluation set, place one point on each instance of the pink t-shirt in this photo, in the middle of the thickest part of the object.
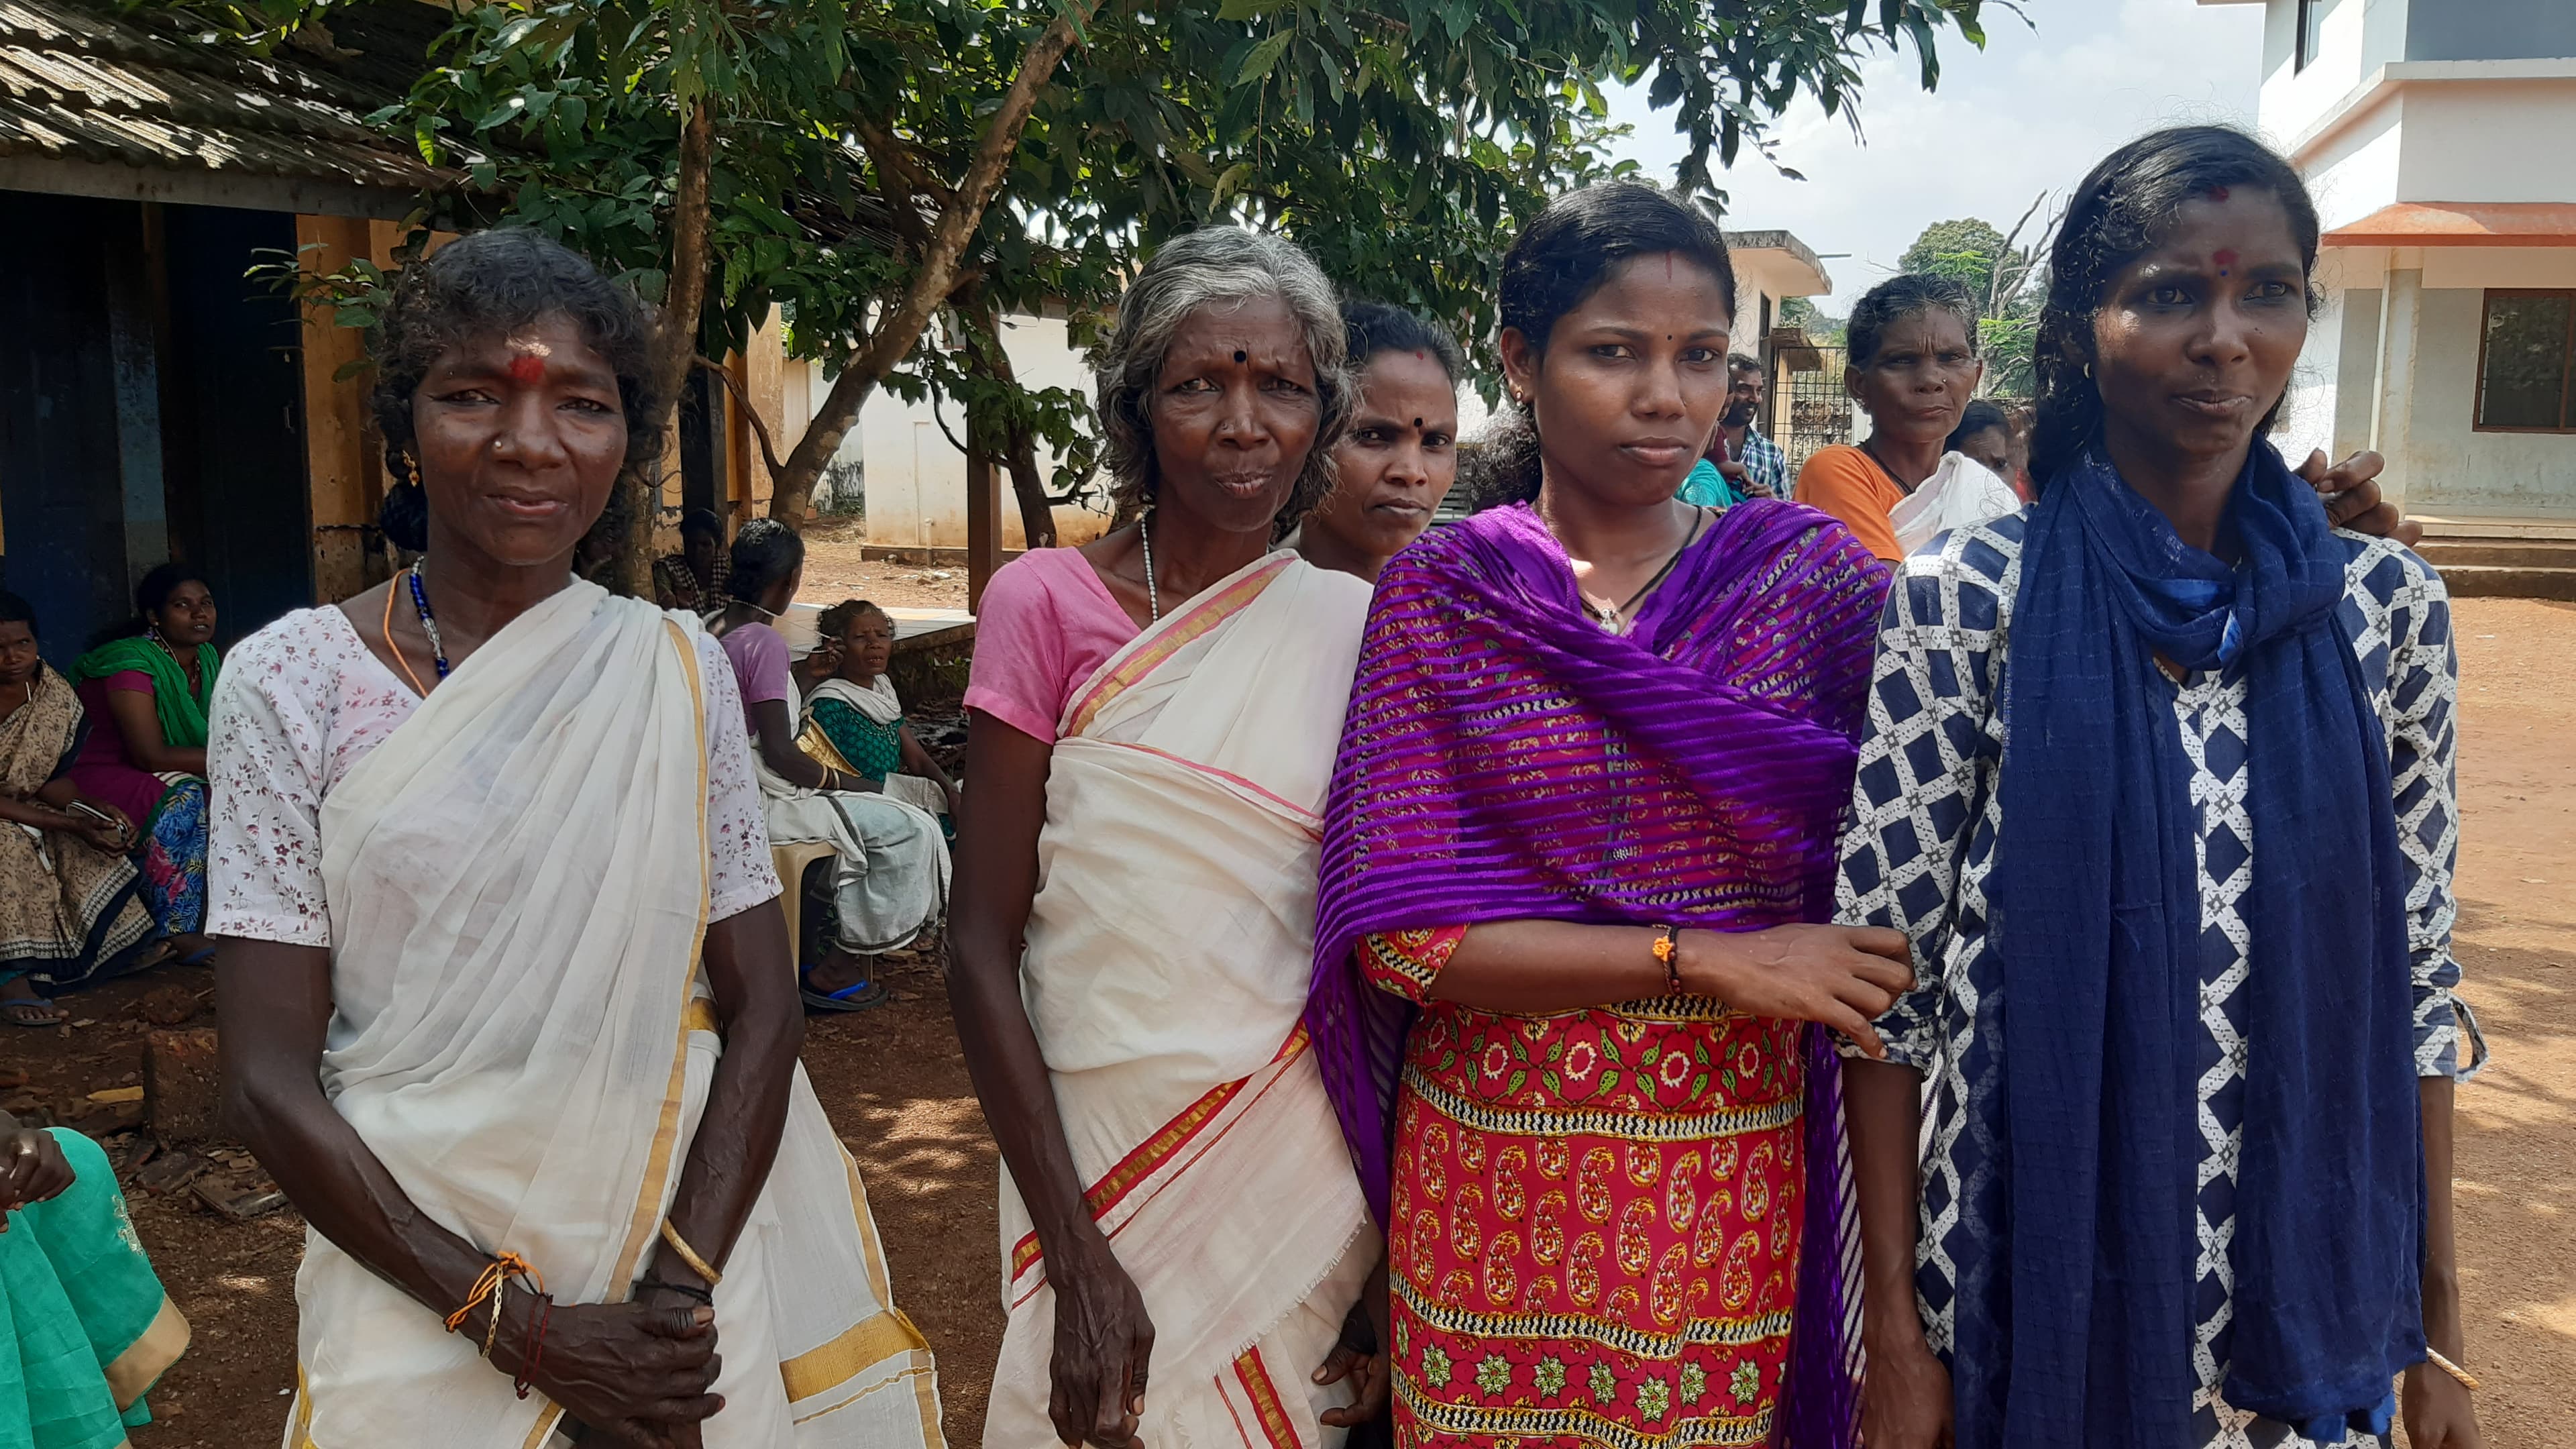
(762, 669)
(1047, 625)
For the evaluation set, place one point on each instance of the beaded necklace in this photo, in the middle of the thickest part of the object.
(1153, 595)
(428, 623)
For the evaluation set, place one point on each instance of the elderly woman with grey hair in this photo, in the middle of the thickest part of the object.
(1153, 721)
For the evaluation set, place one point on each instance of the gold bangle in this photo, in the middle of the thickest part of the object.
(2434, 1357)
(689, 1255)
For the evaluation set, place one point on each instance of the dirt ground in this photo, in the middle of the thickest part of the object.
(834, 571)
(897, 1090)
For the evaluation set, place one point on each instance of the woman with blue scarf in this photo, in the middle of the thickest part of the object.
(2158, 779)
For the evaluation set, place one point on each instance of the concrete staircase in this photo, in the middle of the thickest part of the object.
(2497, 558)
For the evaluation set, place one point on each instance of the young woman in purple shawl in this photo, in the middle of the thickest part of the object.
(1578, 842)
(2158, 780)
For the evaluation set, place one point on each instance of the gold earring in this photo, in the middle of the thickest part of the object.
(411, 469)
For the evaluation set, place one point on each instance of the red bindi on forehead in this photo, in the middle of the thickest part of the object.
(527, 369)
(2226, 258)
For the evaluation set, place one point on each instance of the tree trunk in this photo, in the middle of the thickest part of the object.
(1020, 447)
(932, 280)
(1037, 515)
(675, 347)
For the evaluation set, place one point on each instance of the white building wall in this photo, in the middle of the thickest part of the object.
(2489, 140)
(2453, 469)
(916, 480)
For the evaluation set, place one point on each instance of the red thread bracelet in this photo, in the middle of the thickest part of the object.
(534, 1356)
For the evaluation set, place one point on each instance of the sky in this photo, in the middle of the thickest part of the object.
(2033, 112)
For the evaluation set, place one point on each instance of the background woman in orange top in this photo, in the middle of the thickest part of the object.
(1913, 368)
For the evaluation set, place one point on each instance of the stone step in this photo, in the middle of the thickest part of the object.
(2450, 553)
(2499, 581)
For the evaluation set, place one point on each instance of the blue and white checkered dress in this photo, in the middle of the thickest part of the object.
(1920, 844)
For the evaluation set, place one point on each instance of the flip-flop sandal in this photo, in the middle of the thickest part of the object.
(857, 996)
(201, 956)
(16, 1010)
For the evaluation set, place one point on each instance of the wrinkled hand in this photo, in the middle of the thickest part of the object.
(1371, 1380)
(32, 1169)
(1104, 1341)
(1842, 976)
(637, 1373)
(2437, 1411)
(1905, 1401)
(2351, 492)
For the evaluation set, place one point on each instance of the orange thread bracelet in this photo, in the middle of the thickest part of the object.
(495, 1277)
(1668, 952)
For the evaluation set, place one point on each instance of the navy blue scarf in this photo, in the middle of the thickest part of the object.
(2097, 923)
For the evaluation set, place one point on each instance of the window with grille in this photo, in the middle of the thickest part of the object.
(2527, 362)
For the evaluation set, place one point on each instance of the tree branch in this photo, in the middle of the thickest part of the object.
(936, 277)
(759, 428)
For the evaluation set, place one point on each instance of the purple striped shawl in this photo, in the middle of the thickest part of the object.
(1506, 759)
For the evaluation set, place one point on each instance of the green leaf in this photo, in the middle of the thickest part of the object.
(1228, 181)
(1265, 55)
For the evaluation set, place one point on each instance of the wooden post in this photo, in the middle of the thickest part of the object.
(339, 453)
(983, 521)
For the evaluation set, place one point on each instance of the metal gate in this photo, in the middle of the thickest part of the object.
(1807, 401)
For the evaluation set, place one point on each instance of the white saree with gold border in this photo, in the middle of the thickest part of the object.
(517, 886)
(1168, 952)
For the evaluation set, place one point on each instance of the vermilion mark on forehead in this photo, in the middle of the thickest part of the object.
(2218, 193)
(527, 369)
(2226, 259)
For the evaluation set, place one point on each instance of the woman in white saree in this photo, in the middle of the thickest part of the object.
(507, 1006)
(1153, 722)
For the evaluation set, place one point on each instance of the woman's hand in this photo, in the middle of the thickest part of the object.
(1371, 1380)
(1905, 1401)
(2351, 492)
(2437, 1411)
(637, 1373)
(32, 1169)
(1842, 976)
(115, 834)
(1104, 1341)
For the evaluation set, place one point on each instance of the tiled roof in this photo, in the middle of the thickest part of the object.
(83, 82)
(2462, 224)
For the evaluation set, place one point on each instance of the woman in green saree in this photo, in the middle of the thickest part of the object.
(854, 720)
(83, 1320)
(146, 695)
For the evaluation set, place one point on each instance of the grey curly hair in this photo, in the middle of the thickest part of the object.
(1217, 266)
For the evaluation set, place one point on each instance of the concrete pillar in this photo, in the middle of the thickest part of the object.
(2393, 421)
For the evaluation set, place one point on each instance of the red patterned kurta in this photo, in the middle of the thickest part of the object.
(1596, 1219)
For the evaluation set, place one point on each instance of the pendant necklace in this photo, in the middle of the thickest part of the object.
(1609, 617)
(428, 624)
